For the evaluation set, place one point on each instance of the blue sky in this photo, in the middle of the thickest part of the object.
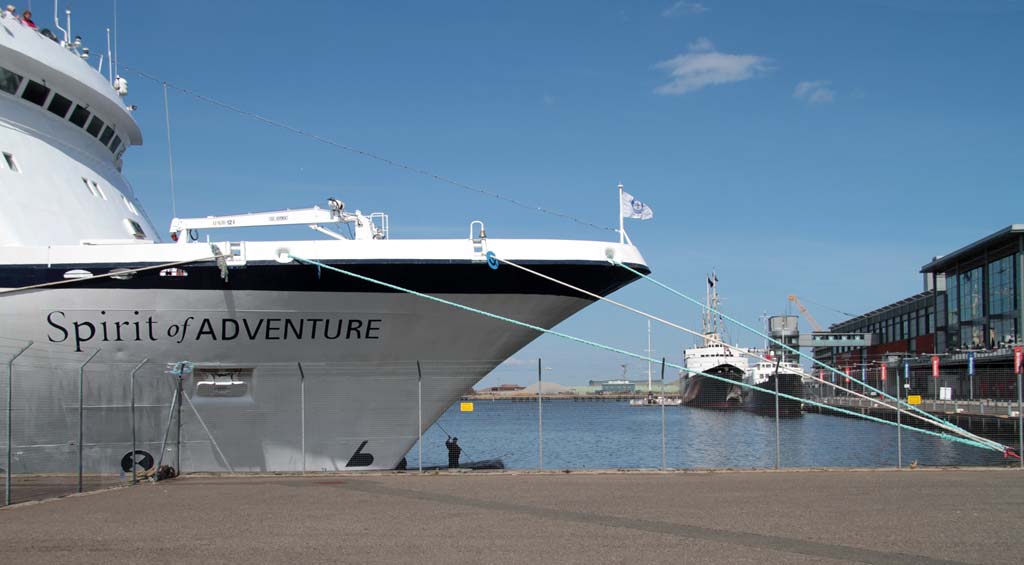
(826, 149)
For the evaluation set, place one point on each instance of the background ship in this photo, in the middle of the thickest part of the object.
(715, 358)
(779, 373)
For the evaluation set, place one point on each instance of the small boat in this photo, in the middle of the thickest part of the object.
(651, 399)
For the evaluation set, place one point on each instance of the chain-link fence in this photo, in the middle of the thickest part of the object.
(74, 421)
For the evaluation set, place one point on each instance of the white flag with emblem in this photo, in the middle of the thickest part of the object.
(632, 208)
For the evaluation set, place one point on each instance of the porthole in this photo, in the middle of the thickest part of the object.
(77, 274)
(122, 274)
(174, 272)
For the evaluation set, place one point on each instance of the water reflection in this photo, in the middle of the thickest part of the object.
(601, 435)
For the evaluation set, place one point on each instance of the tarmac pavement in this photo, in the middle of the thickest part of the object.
(870, 516)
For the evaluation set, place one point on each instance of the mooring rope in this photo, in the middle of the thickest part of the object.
(638, 356)
(911, 408)
(747, 352)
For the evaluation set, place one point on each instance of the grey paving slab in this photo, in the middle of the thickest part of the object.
(923, 516)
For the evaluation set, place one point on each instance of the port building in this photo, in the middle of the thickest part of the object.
(968, 315)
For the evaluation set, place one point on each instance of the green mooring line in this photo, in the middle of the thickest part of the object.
(909, 407)
(596, 345)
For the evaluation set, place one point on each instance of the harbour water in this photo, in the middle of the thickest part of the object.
(602, 435)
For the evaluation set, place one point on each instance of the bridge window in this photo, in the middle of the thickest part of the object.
(95, 126)
(9, 81)
(79, 116)
(35, 93)
(59, 105)
(108, 132)
(115, 144)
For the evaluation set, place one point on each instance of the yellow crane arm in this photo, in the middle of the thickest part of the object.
(810, 319)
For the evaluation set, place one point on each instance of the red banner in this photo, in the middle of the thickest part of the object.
(884, 370)
(935, 366)
(1018, 360)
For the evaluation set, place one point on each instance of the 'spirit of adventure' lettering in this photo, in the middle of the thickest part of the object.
(63, 329)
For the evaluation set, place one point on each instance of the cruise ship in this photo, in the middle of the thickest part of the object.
(713, 357)
(85, 271)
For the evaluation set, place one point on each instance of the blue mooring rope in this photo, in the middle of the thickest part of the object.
(629, 353)
(804, 355)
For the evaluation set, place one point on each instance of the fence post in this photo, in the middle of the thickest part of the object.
(10, 422)
(1020, 423)
(419, 412)
(302, 414)
(135, 476)
(899, 420)
(778, 447)
(540, 419)
(181, 394)
(663, 399)
(81, 415)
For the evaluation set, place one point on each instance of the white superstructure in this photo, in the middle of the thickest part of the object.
(241, 310)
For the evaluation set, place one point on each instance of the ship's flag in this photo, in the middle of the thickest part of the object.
(630, 207)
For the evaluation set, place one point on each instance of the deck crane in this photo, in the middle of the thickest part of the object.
(807, 315)
(374, 226)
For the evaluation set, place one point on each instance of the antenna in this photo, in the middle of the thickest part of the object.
(170, 156)
(115, 40)
(110, 76)
(56, 23)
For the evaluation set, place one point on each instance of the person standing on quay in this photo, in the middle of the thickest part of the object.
(453, 452)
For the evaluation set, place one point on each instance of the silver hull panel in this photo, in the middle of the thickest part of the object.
(353, 405)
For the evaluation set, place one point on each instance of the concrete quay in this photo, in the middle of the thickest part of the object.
(869, 516)
(995, 420)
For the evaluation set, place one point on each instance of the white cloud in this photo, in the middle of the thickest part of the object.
(703, 66)
(814, 91)
(682, 7)
(702, 44)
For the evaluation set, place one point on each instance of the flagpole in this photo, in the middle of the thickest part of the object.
(622, 231)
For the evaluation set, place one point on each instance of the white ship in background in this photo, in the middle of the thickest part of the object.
(780, 371)
(240, 310)
(714, 357)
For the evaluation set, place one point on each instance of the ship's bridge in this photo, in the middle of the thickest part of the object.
(56, 77)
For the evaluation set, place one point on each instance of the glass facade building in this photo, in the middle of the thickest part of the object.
(973, 302)
(981, 308)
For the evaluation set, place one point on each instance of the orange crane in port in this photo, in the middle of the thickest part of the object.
(803, 310)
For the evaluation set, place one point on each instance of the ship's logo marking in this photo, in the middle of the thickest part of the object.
(141, 459)
(360, 459)
(492, 260)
